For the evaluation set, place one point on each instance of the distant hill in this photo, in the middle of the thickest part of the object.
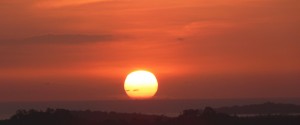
(265, 108)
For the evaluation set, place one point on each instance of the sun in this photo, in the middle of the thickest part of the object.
(141, 84)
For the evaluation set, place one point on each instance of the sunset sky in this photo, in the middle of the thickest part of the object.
(198, 49)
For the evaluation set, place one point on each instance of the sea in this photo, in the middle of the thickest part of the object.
(167, 107)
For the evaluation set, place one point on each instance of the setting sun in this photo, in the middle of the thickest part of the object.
(141, 85)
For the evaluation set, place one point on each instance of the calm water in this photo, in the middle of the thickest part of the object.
(161, 107)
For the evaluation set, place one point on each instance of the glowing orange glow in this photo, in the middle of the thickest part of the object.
(141, 85)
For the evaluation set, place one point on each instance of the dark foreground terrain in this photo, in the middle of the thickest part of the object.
(208, 116)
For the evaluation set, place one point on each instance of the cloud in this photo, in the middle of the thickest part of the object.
(62, 3)
(68, 39)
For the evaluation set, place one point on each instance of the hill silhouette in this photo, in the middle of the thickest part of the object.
(262, 109)
(208, 116)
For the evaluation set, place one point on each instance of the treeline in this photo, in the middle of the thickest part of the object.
(208, 116)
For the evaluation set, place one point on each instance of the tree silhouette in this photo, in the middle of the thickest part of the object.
(208, 116)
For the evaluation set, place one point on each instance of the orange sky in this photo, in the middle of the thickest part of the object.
(83, 49)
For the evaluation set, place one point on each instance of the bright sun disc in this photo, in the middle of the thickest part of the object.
(140, 85)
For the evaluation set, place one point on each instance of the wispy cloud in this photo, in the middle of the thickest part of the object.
(69, 38)
(62, 3)
(60, 39)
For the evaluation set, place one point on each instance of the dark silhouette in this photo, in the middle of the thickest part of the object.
(208, 116)
(262, 109)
